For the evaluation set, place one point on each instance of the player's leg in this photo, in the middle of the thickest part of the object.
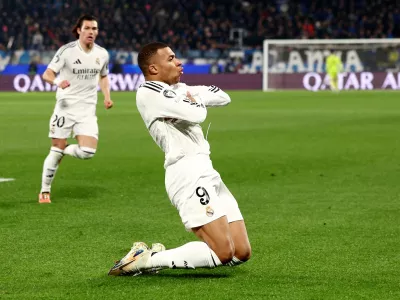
(86, 133)
(237, 226)
(205, 215)
(215, 248)
(333, 77)
(85, 149)
(60, 130)
(50, 167)
(218, 237)
(188, 256)
(241, 242)
(227, 236)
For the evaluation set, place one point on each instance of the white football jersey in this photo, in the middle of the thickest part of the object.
(82, 70)
(173, 119)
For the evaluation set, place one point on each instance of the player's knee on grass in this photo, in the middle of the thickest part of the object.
(225, 251)
(85, 152)
(243, 252)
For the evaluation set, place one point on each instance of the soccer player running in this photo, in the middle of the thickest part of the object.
(79, 65)
(172, 112)
(333, 68)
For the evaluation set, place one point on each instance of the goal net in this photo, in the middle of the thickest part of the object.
(300, 64)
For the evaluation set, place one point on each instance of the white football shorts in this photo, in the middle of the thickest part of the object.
(198, 192)
(64, 125)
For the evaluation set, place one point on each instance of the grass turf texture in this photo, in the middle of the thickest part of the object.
(316, 176)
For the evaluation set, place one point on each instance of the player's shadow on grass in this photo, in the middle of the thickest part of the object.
(6, 205)
(106, 280)
(80, 191)
(169, 274)
(191, 275)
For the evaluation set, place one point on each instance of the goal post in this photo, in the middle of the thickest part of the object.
(300, 64)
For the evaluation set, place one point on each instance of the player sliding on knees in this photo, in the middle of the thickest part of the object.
(173, 112)
(81, 66)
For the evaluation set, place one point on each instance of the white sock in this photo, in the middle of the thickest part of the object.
(234, 262)
(75, 150)
(50, 167)
(189, 256)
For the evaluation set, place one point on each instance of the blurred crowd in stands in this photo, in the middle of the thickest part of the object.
(195, 27)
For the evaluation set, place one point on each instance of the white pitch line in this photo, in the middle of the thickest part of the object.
(6, 179)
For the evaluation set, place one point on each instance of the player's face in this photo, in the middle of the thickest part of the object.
(169, 67)
(88, 32)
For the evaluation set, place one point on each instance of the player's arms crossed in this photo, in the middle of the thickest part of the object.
(155, 105)
(210, 95)
(105, 89)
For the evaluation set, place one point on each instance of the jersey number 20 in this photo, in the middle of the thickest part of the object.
(59, 121)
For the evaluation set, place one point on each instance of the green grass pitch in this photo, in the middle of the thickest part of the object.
(317, 177)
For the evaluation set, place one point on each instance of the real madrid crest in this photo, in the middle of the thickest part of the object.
(209, 211)
(169, 94)
(98, 61)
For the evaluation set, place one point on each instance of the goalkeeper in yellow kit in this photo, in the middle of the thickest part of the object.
(333, 67)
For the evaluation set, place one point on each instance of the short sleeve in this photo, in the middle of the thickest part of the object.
(58, 61)
(104, 69)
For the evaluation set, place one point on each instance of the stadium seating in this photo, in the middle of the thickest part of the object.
(195, 25)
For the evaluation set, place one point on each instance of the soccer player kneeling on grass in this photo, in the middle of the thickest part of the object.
(172, 112)
(79, 65)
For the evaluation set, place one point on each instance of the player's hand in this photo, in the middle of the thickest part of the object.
(64, 84)
(108, 103)
(190, 97)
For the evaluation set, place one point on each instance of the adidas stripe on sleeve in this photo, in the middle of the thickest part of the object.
(58, 60)
(214, 89)
(153, 86)
(104, 70)
(210, 95)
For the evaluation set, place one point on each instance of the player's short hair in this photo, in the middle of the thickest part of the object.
(79, 23)
(146, 53)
